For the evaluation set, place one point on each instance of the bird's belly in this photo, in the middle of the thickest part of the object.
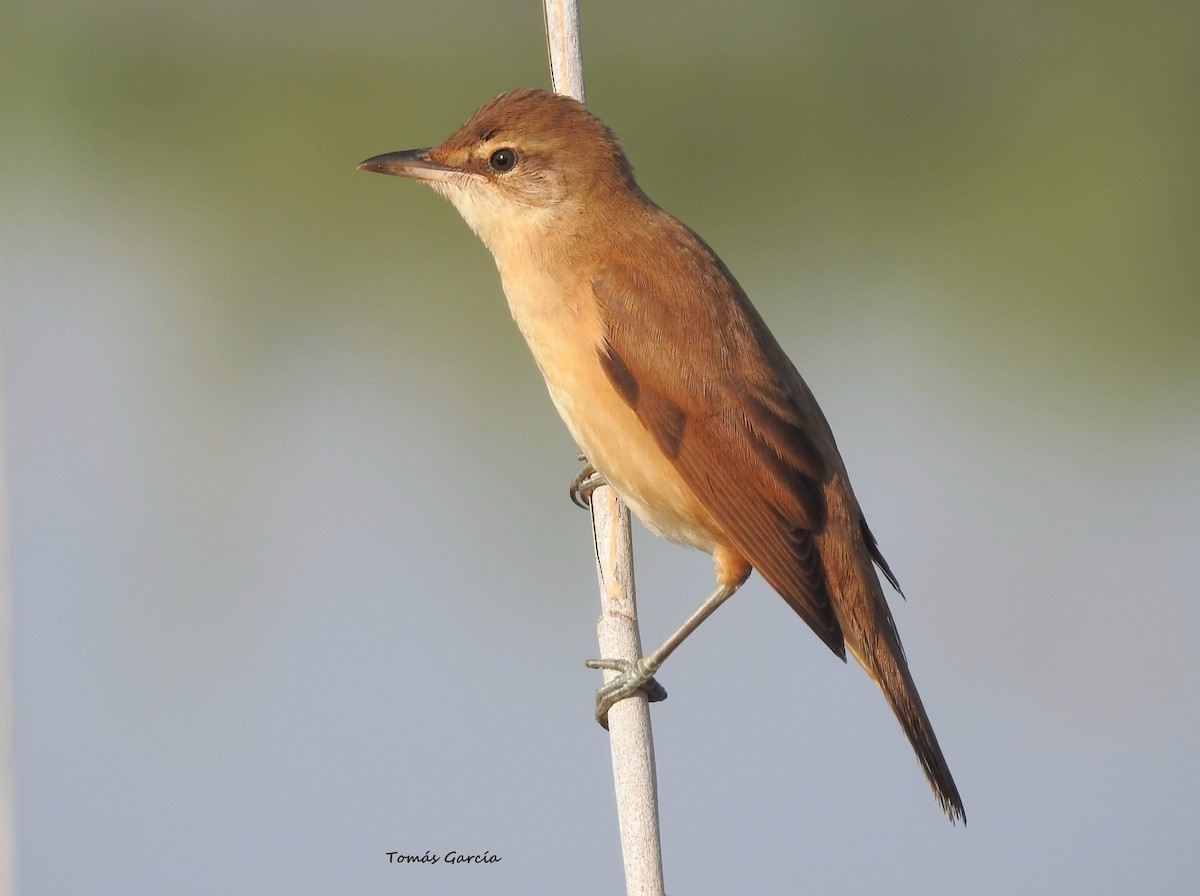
(619, 447)
(564, 343)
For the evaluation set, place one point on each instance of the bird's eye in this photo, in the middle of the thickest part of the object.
(503, 160)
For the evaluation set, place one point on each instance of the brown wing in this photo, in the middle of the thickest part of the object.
(695, 362)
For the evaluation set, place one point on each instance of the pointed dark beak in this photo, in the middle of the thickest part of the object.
(414, 163)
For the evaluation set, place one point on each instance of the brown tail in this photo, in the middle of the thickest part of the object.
(891, 674)
(871, 637)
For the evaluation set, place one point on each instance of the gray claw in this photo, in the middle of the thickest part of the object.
(634, 676)
(584, 484)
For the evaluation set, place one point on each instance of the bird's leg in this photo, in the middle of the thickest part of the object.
(585, 483)
(638, 675)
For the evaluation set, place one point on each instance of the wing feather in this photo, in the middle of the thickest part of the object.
(738, 433)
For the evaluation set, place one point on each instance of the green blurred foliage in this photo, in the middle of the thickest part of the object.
(1024, 173)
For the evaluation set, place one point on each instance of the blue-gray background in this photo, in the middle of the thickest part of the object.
(296, 580)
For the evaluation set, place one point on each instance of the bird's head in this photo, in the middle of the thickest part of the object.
(525, 163)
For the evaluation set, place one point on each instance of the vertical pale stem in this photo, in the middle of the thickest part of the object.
(630, 737)
(562, 43)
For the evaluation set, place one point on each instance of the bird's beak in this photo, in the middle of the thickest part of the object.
(414, 163)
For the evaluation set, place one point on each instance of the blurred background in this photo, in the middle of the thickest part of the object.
(295, 578)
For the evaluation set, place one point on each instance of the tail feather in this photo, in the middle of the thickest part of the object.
(901, 694)
(847, 552)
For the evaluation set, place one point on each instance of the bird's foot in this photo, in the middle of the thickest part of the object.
(584, 484)
(637, 675)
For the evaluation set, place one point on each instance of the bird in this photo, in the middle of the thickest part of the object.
(672, 385)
